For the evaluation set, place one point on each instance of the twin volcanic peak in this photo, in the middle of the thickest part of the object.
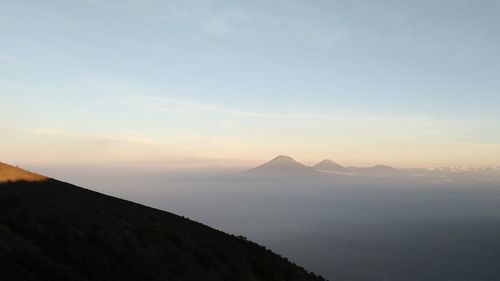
(286, 165)
(283, 165)
(329, 165)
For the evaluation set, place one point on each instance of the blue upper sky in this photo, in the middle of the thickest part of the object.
(362, 81)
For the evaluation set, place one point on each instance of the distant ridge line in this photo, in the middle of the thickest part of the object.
(286, 165)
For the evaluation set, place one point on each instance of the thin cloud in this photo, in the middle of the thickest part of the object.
(176, 105)
(201, 15)
(345, 122)
(120, 137)
(8, 59)
(179, 105)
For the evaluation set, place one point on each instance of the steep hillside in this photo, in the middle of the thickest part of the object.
(50, 230)
(10, 173)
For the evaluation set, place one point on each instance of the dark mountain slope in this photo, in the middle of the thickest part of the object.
(50, 230)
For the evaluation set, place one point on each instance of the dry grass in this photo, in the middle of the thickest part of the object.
(10, 173)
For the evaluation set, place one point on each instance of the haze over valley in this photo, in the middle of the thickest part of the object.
(263, 140)
(395, 224)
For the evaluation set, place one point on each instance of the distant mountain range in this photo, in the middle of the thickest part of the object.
(51, 230)
(286, 165)
(283, 165)
(329, 165)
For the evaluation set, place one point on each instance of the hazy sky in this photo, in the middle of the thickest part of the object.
(406, 83)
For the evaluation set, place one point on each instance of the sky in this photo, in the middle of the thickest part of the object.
(235, 83)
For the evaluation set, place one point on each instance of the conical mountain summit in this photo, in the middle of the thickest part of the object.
(283, 165)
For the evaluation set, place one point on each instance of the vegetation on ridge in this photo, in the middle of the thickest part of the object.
(50, 230)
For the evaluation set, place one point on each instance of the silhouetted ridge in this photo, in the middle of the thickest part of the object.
(283, 158)
(283, 165)
(377, 169)
(50, 230)
(328, 165)
(383, 168)
(286, 166)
